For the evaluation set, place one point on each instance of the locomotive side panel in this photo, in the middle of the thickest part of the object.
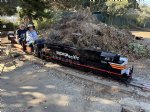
(97, 61)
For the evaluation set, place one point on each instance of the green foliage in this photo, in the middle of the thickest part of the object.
(66, 4)
(141, 16)
(134, 4)
(139, 49)
(117, 8)
(8, 8)
(45, 11)
(46, 22)
(9, 25)
(42, 24)
(37, 9)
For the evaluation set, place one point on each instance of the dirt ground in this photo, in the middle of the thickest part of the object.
(33, 89)
(53, 88)
(146, 36)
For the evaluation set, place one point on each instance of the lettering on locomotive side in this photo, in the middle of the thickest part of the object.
(67, 55)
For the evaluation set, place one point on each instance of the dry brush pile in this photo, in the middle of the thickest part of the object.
(84, 31)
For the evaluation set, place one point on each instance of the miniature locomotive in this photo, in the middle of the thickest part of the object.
(105, 63)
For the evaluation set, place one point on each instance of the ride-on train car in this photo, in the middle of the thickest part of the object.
(105, 63)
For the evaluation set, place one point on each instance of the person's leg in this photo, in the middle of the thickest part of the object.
(19, 40)
(31, 45)
(24, 45)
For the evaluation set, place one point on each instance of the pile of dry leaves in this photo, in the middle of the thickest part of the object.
(81, 29)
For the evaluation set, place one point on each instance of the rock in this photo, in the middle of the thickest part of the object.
(30, 107)
(131, 109)
(139, 38)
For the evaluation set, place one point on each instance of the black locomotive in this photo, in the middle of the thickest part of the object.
(105, 63)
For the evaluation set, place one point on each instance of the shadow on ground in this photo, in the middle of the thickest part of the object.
(31, 88)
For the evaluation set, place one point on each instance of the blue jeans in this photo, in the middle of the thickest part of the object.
(20, 40)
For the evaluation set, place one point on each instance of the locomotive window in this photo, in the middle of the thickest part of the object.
(120, 62)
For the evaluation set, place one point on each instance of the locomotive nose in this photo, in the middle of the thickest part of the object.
(131, 71)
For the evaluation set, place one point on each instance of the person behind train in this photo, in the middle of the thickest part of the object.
(31, 35)
(20, 34)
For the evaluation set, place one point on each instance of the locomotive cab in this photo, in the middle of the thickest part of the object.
(122, 66)
(127, 70)
(118, 64)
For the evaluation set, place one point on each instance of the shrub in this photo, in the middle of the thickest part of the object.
(9, 25)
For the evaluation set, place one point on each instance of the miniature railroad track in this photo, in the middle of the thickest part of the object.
(134, 82)
(142, 85)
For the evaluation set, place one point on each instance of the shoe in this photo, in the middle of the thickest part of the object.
(23, 53)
